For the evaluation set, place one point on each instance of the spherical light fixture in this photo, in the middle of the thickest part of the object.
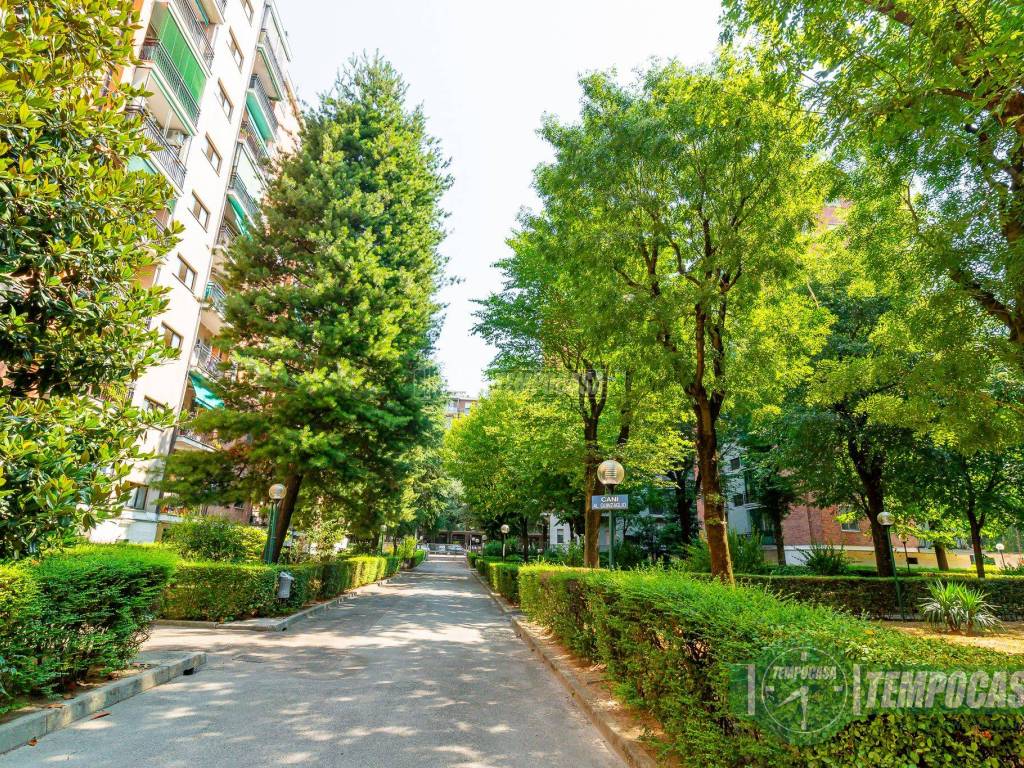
(885, 519)
(610, 472)
(277, 491)
(504, 529)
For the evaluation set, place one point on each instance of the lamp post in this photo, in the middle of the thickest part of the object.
(885, 519)
(383, 530)
(1000, 547)
(610, 472)
(276, 493)
(504, 533)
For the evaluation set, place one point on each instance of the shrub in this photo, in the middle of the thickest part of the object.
(418, 557)
(492, 548)
(215, 539)
(629, 555)
(218, 591)
(746, 551)
(406, 548)
(81, 611)
(502, 576)
(668, 642)
(826, 560)
(336, 578)
(957, 607)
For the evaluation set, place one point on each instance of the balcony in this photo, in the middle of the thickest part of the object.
(257, 90)
(252, 139)
(216, 296)
(155, 53)
(207, 363)
(197, 30)
(162, 219)
(266, 45)
(167, 156)
(237, 188)
(196, 439)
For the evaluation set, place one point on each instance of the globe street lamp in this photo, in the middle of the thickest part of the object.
(885, 519)
(610, 472)
(276, 493)
(1000, 547)
(504, 533)
(383, 530)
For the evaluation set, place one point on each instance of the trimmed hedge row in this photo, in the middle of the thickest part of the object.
(74, 613)
(668, 641)
(228, 591)
(875, 597)
(502, 577)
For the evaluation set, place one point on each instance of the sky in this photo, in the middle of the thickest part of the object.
(485, 73)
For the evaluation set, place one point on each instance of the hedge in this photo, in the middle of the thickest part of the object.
(875, 597)
(502, 577)
(85, 610)
(667, 641)
(229, 591)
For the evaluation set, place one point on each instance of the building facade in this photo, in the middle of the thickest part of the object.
(220, 106)
(459, 405)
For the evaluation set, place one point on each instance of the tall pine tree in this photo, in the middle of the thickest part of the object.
(331, 313)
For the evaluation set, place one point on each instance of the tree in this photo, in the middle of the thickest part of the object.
(772, 487)
(544, 327)
(331, 313)
(696, 188)
(933, 90)
(76, 228)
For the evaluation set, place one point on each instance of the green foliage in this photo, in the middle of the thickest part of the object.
(83, 611)
(77, 227)
(957, 607)
(667, 640)
(501, 575)
(493, 548)
(406, 549)
(214, 538)
(826, 560)
(747, 555)
(629, 554)
(331, 315)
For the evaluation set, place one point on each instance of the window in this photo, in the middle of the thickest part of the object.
(138, 498)
(224, 101)
(734, 462)
(851, 527)
(212, 155)
(247, 7)
(236, 50)
(200, 211)
(560, 537)
(186, 274)
(171, 337)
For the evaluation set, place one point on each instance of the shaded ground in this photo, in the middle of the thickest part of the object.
(1009, 638)
(424, 672)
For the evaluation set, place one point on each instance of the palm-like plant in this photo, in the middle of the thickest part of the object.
(958, 608)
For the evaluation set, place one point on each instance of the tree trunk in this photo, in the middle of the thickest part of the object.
(940, 557)
(780, 543)
(284, 513)
(592, 517)
(979, 555)
(524, 531)
(868, 464)
(715, 522)
(883, 551)
(685, 516)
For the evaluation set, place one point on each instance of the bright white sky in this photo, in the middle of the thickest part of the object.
(485, 72)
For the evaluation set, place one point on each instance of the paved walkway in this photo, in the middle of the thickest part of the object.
(423, 672)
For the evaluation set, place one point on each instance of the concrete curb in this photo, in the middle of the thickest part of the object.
(22, 730)
(270, 624)
(617, 729)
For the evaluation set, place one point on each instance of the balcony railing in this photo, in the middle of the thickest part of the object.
(162, 219)
(256, 86)
(208, 363)
(224, 236)
(216, 296)
(167, 156)
(196, 29)
(237, 187)
(254, 142)
(154, 52)
(207, 441)
(272, 57)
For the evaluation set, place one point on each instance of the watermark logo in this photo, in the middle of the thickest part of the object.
(806, 695)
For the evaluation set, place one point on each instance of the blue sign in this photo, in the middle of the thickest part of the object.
(616, 501)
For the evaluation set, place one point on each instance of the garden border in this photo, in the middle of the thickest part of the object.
(20, 731)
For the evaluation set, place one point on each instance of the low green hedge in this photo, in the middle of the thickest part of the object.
(206, 591)
(417, 557)
(501, 576)
(81, 611)
(668, 641)
(875, 597)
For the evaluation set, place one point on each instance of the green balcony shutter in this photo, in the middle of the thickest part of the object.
(181, 54)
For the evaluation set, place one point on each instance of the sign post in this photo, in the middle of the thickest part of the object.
(611, 473)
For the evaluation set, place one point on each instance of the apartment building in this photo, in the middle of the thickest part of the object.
(459, 405)
(220, 105)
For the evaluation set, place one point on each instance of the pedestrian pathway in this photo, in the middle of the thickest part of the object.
(422, 672)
